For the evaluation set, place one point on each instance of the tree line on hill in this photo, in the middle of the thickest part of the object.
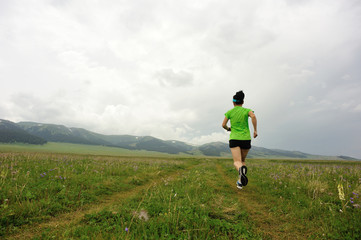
(11, 133)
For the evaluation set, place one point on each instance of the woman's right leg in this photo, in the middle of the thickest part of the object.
(244, 153)
(243, 169)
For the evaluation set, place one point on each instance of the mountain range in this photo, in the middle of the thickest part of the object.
(40, 133)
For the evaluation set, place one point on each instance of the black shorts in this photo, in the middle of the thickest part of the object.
(243, 144)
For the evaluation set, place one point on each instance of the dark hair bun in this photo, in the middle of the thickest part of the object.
(239, 97)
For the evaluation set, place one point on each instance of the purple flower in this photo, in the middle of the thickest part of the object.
(41, 175)
(126, 229)
(351, 198)
(351, 201)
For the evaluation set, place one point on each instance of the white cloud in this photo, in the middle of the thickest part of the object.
(167, 77)
(357, 108)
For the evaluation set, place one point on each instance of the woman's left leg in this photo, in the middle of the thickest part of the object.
(237, 157)
(237, 162)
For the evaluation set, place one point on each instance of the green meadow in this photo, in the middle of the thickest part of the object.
(78, 194)
(55, 147)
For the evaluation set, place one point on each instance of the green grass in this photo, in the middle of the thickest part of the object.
(326, 195)
(57, 147)
(36, 186)
(47, 195)
(182, 209)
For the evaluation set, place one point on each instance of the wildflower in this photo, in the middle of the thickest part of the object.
(341, 194)
(126, 229)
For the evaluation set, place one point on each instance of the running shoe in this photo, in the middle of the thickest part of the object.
(242, 175)
(239, 185)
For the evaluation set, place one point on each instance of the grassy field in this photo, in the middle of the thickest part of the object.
(47, 195)
(57, 147)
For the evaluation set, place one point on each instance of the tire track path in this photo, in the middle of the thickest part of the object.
(61, 221)
(266, 223)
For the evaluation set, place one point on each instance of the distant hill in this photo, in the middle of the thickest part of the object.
(39, 133)
(60, 133)
(222, 149)
(215, 149)
(11, 133)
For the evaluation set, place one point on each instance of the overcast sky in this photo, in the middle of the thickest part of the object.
(170, 68)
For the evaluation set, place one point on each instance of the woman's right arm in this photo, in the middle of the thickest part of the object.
(224, 124)
(254, 123)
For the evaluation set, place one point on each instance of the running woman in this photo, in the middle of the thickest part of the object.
(240, 137)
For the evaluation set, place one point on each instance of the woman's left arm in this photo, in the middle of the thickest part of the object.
(254, 123)
(224, 124)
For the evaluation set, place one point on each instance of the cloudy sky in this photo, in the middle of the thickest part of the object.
(169, 68)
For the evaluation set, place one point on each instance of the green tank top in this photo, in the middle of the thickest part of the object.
(239, 123)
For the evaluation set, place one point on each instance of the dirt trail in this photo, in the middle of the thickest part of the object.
(62, 221)
(266, 224)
